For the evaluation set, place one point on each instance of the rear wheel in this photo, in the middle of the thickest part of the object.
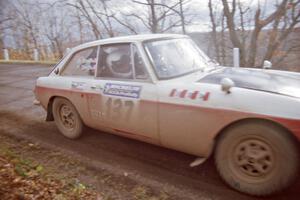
(257, 158)
(67, 118)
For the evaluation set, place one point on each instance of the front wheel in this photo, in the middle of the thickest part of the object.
(257, 158)
(67, 118)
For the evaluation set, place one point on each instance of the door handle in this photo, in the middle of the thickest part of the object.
(94, 87)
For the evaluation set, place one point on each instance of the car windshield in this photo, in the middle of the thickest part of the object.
(175, 57)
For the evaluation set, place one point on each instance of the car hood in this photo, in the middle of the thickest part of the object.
(280, 82)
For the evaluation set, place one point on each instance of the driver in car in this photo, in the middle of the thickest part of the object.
(117, 63)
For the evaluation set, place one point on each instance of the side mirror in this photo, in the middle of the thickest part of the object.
(227, 84)
(56, 71)
(267, 64)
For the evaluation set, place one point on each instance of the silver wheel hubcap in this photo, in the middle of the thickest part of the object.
(254, 158)
(67, 117)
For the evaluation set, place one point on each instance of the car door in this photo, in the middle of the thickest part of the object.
(74, 79)
(125, 99)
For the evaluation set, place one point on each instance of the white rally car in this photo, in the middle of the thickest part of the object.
(162, 89)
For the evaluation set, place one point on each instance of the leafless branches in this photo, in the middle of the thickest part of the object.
(259, 30)
(160, 16)
(249, 28)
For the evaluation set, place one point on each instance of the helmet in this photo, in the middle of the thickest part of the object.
(118, 62)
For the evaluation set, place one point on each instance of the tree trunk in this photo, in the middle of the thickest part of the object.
(182, 17)
(214, 31)
(232, 32)
(154, 23)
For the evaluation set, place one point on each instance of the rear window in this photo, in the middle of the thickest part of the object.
(82, 63)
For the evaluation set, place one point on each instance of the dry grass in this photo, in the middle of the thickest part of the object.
(44, 62)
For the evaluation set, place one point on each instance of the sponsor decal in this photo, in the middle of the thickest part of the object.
(189, 94)
(78, 85)
(121, 90)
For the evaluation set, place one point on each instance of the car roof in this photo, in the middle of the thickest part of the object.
(130, 38)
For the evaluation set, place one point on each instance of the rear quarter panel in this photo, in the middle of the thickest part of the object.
(55, 86)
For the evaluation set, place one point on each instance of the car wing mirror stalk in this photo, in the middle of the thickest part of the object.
(226, 85)
(56, 71)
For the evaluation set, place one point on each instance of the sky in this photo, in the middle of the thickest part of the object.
(197, 8)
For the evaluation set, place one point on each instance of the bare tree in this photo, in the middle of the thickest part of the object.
(214, 27)
(97, 13)
(103, 16)
(182, 16)
(4, 23)
(285, 15)
(252, 28)
(79, 22)
(219, 33)
(57, 33)
(181, 11)
(288, 21)
(25, 27)
(124, 22)
(83, 9)
(159, 16)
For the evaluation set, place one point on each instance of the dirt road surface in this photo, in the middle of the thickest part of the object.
(158, 168)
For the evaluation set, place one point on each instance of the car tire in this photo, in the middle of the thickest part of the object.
(258, 158)
(67, 119)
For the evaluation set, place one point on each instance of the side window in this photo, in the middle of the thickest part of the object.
(82, 63)
(121, 61)
(139, 66)
(115, 61)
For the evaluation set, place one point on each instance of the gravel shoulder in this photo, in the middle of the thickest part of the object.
(25, 175)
